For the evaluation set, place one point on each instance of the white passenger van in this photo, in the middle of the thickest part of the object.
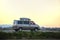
(25, 24)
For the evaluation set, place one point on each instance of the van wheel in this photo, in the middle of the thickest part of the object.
(16, 30)
(20, 29)
(35, 29)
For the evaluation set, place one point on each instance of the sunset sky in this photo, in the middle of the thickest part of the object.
(42, 12)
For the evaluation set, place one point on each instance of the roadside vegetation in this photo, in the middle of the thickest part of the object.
(30, 35)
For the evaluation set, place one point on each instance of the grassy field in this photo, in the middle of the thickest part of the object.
(32, 39)
(30, 35)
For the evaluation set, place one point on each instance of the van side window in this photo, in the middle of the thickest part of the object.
(20, 22)
(26, 22)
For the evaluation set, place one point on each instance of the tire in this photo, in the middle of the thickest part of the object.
(20, 29)
(16, 30)
(35, 29)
